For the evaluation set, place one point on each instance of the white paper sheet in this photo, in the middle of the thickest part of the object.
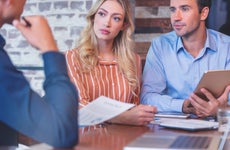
(100, 110)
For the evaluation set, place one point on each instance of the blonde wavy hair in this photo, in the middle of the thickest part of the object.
(123, 46)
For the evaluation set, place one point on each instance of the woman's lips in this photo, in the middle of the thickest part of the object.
(104, 31)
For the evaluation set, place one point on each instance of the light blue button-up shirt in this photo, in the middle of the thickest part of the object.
(171, 73)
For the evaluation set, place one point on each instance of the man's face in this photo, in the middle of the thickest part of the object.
(19, 6)
(13, 10)
(185, 16)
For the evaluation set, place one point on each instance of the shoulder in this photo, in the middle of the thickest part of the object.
(164, 43)
(137, 56)
(71, 54)
(216, 36)
(166, 38)
(72, 57)
(138, 61)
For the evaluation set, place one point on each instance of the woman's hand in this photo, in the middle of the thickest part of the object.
(138, 115)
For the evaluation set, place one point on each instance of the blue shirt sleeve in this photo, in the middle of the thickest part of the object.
(51, 119)
(154, 83)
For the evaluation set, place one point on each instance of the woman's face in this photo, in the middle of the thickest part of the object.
(109, 20)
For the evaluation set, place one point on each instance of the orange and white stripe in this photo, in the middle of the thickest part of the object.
(105, 79)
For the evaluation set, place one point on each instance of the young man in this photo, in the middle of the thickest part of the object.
(177, 60)
(51, 119)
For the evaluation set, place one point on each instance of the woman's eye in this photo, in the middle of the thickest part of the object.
(101, 13)
(117, 19)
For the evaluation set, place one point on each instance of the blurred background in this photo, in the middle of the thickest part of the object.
(67, 19)
(219, 18)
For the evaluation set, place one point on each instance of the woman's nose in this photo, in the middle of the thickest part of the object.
(107, 22)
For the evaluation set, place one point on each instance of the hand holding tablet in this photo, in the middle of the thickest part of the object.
(215, 81)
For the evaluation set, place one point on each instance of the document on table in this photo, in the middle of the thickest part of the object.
(100, 110)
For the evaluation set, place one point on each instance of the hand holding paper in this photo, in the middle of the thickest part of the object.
(100, 110)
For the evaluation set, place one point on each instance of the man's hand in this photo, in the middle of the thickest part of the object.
(187, 107)
(204, 108)
(38, 34)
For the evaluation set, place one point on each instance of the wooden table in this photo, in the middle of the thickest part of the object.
(115, 137)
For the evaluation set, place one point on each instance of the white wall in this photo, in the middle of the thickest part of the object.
(66, 17)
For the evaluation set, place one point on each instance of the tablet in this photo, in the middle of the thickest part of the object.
(215, 81)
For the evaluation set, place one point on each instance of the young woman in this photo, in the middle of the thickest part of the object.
(104, 62)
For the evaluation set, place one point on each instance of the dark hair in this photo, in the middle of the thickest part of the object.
(204, 3)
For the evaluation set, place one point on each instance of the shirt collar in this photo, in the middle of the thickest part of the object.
(210, 43)
(179, 45)
(2, 42)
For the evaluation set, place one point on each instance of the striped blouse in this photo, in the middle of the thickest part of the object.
(105, 79)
